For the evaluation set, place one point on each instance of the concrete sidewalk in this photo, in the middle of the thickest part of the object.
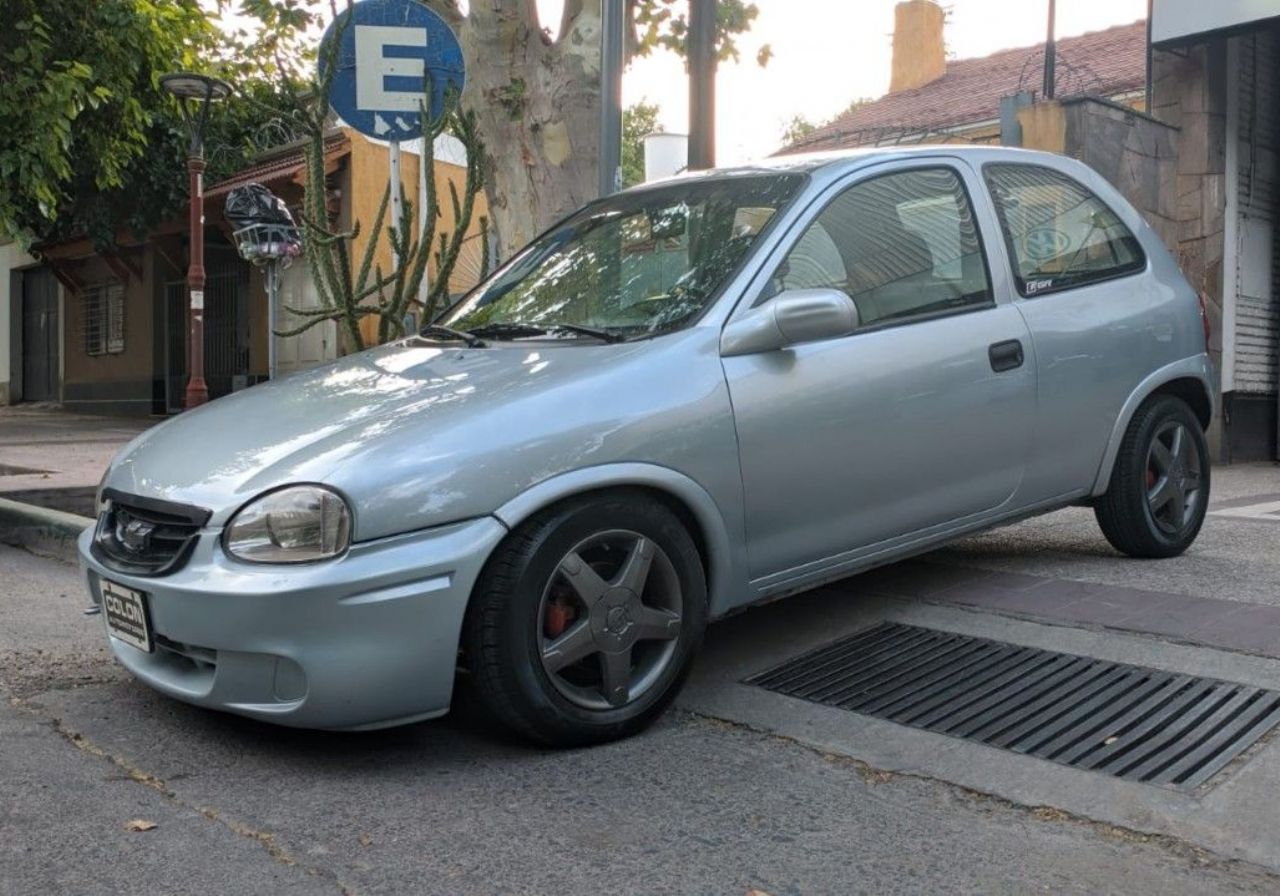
(54, 458)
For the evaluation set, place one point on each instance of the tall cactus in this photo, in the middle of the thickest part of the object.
(346, 295)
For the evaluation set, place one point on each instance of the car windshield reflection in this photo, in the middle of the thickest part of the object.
(635, 264)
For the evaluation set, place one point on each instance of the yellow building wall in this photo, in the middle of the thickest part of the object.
(368, 174)
(1044, 126)
(134, 364)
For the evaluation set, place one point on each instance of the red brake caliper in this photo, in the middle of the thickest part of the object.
(559, 615)
(1151, 478)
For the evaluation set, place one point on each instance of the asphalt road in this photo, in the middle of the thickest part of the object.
(697, 805)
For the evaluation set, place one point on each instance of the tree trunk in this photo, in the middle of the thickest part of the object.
(538, 105)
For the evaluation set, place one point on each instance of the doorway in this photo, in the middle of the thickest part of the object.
(40, 336)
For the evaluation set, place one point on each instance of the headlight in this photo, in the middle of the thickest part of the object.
(99, 502)
(298, 524)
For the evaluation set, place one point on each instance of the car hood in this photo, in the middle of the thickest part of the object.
(311, 426)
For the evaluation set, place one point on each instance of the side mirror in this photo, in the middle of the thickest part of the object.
(790, 318)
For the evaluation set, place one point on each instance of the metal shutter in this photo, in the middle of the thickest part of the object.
(1257, 336)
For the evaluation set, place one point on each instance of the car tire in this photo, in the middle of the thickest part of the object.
(1159, 490)
(536, 609)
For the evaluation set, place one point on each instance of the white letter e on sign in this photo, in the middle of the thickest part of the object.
(373, 67)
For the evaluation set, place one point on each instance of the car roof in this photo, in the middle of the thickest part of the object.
(839, 161)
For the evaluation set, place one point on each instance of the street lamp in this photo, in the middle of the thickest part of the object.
(195, 93)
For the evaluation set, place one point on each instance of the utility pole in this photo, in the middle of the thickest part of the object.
(1050, 54)
(195, 92)
(611, 30)
(702, 84)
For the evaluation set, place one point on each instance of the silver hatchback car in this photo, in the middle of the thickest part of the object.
(684, 399)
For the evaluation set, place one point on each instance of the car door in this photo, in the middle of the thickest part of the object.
(1098, 325)
(917, 419)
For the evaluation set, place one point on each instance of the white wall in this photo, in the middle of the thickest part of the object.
(1179, 19)
(11, 258)
(312, 347)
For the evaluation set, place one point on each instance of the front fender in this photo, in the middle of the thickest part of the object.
(1197, 367)
(726, 560)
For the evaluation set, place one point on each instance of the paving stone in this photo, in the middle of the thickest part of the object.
(1250, 628)
(1174, 614)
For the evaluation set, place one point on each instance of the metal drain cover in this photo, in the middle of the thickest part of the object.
(1129, 721)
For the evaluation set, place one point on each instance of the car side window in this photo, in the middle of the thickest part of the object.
(1059, 234)
(900, 245)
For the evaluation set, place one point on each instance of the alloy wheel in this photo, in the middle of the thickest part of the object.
(1173, 477)
(609, 618)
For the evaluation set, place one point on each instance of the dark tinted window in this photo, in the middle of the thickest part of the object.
(900, 245)
(1059, 234)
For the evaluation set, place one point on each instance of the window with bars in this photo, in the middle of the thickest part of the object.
(104, 319)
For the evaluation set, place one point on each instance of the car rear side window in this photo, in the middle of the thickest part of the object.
(901, 245)
(1059, 234)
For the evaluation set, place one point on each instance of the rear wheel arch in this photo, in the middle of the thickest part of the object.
(1191, 390)
(1188, 380)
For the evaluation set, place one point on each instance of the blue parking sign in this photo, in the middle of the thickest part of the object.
(383, 57)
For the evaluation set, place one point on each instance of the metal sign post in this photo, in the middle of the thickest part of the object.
(273, 294)
(397, 199)
(612, 29)
(702, 84)
(272, 247)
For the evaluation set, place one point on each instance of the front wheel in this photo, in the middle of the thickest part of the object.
(585, 621)
(1159, 490)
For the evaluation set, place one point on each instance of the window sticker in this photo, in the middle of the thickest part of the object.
(1044, 243)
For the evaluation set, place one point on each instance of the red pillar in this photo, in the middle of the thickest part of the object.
(197, 391)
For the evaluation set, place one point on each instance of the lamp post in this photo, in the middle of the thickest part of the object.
(195, 93)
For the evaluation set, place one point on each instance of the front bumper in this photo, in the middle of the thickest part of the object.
(363, 641)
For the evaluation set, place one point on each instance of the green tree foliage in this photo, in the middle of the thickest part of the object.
(797, 129)
(638, 121)
(89, 142)
(800, 128)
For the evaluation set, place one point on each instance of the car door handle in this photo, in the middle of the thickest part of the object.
(1005, 355)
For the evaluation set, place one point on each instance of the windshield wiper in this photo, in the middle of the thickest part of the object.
(442, 332)
(597, 332)
(516, 330)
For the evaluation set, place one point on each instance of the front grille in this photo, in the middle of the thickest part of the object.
(144, 536)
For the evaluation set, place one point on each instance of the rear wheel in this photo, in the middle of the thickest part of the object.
(1159, 490)
(585, 621)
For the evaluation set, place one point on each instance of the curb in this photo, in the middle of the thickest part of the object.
(50, 533)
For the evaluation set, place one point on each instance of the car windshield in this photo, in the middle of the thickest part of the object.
(631, 265)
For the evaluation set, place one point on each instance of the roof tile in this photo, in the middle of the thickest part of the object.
(1101, 63)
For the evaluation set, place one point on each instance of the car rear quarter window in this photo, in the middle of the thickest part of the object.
(902, 246)
(1059, 234)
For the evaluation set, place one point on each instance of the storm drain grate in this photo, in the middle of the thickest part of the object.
(1129, 721)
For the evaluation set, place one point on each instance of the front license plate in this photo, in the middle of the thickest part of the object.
(126, 612)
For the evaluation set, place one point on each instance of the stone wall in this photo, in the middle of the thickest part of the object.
(1189, 92)
(1135, 153)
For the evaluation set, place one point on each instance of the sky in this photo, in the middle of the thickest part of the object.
(830, 52)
